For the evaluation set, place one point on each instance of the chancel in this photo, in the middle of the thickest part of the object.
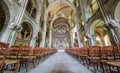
(59, 36)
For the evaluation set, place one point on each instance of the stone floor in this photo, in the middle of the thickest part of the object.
(59, 63)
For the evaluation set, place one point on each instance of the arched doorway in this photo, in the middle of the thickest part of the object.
(60, 35)
(4, 15)
(2, 18)
(24, 36)
(99, 34)
(57, 17)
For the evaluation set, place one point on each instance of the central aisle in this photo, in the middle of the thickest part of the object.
(60, 63)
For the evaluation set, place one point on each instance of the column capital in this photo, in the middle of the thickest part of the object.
(12, 26)
(89, 36)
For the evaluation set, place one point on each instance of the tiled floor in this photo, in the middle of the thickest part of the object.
(59, 63)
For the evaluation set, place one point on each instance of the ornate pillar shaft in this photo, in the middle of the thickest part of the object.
(50, 36)
(72, 40)
(109, 21)
(35, 37)
(18, 20)
(9, 34)
(80, 44)
(42, 44)
(103, 10)
(6, 36)
(13, 38)
(91, 39)
(117, 32)
(21, 12)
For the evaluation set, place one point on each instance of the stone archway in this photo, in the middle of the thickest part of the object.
(99, 34)
(24, 36)
(61, 8)
(4, 15)
(2, 18)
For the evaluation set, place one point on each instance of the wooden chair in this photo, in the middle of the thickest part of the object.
(113, 64)
(8, 62)
(37, 52)
(107, 55)
(84, 55)
(2, 61)
(2, 58)
(117, 51)
(27, 57)
(14, 53)
(93, 57)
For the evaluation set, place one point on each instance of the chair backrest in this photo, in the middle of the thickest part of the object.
(3, 51)
(107, 52)
(14, 50)
(4, 48)
(36, 51)
(26, 50)
(94, 51)
(85, 51)
(118, 47)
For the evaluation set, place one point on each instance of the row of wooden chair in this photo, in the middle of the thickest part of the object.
(16, 57)
(97, 57)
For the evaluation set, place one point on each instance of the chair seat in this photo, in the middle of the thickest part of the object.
(8, 62)
(84, 55)
(96, 58)
(37, 54)
(117, 64)
(103, 57)
(0, 62)
(110, 57)
(32, 57)
(11, 56)
(1, 56)
(89, 57)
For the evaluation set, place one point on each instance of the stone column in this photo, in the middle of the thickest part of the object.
(51, 31)
(39, 11)
(109, 21)
(112, 34)
(91, 40)
(6, 36)
(50, 39)
(80, 44)
(13, 37)
(18, 21)
(50, 36)
(34, 38)
(116, 29)
(42, 44)
(72, 40)
(89, 36)
(71, 33)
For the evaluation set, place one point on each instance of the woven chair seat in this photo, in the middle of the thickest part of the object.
(29, 57)
(96, 58)
(0, 62)
(116, 63)
(9, 62)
